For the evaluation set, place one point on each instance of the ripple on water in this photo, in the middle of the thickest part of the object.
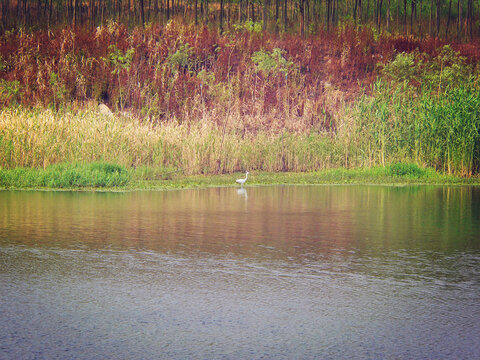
(292, 272)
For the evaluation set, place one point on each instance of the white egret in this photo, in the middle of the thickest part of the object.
(242, 181)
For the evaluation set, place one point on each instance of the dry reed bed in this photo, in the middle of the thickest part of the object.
(42, 137)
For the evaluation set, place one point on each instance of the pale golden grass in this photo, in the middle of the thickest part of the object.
(38, 138)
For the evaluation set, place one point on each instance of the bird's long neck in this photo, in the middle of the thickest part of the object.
(246, 176)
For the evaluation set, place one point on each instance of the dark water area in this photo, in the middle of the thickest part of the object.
(281, 272)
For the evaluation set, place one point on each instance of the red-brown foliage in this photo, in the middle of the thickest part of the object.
(216, 71)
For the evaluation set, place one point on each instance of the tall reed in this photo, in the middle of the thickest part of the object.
(431, 129)
(449, 130)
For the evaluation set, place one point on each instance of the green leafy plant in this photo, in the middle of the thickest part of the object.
(405, 169)
(182, 58)
(272, 63)
(402, 69)
(58, 89)
(3, 65)
(121, 61)
(447, 70)
(9, 91)
(253, 27)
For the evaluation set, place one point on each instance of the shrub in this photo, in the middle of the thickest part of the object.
(402, 69)
(182, 58)
(272, 63)
(405, 169)
(58, 176)
(9, 92)
(447, 70)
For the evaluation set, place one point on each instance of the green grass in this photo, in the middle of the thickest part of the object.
(389, 175)
(373, 176)
(66, 176)
(110, 176)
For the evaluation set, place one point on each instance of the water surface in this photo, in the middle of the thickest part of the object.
(268, 272)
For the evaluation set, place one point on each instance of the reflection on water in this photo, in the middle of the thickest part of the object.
(280, 272)
(295, 221)
(242, 192)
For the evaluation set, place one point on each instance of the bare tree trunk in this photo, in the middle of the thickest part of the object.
(119, 9)
(277, 8)
(360, 10)
(229, 13)
(49, 18)
(265, 4)
(379, 13)
(398, 14)
(329, 2)
(38, 10)
(438, 17)
(5, 13)
(102, 12)
(221, 16)
(240, 11)
(448, 18)
(17, 12)
(430, 23)
(412, 11)
(206, 12)
(90, 14)
(196, 12)
(470, 18)
(26, 13)
(307, 15)
(355, 12)
(368, 10)
(334, 12)
(459, 20)
(301, 5)
(421, 20)
(388, 16)
(142, 12)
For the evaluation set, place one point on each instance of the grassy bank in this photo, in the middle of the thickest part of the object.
(188, 102)
(109, 177)
(341, 176)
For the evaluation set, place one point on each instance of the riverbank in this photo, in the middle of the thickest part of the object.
(196, 102)
(85, 149)
(352, 101)
(109, 177)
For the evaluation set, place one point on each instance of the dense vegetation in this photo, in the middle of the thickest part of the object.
(192, 100)
(434, 18)
(93, 175)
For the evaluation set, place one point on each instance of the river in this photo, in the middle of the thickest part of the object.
(274, 272)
